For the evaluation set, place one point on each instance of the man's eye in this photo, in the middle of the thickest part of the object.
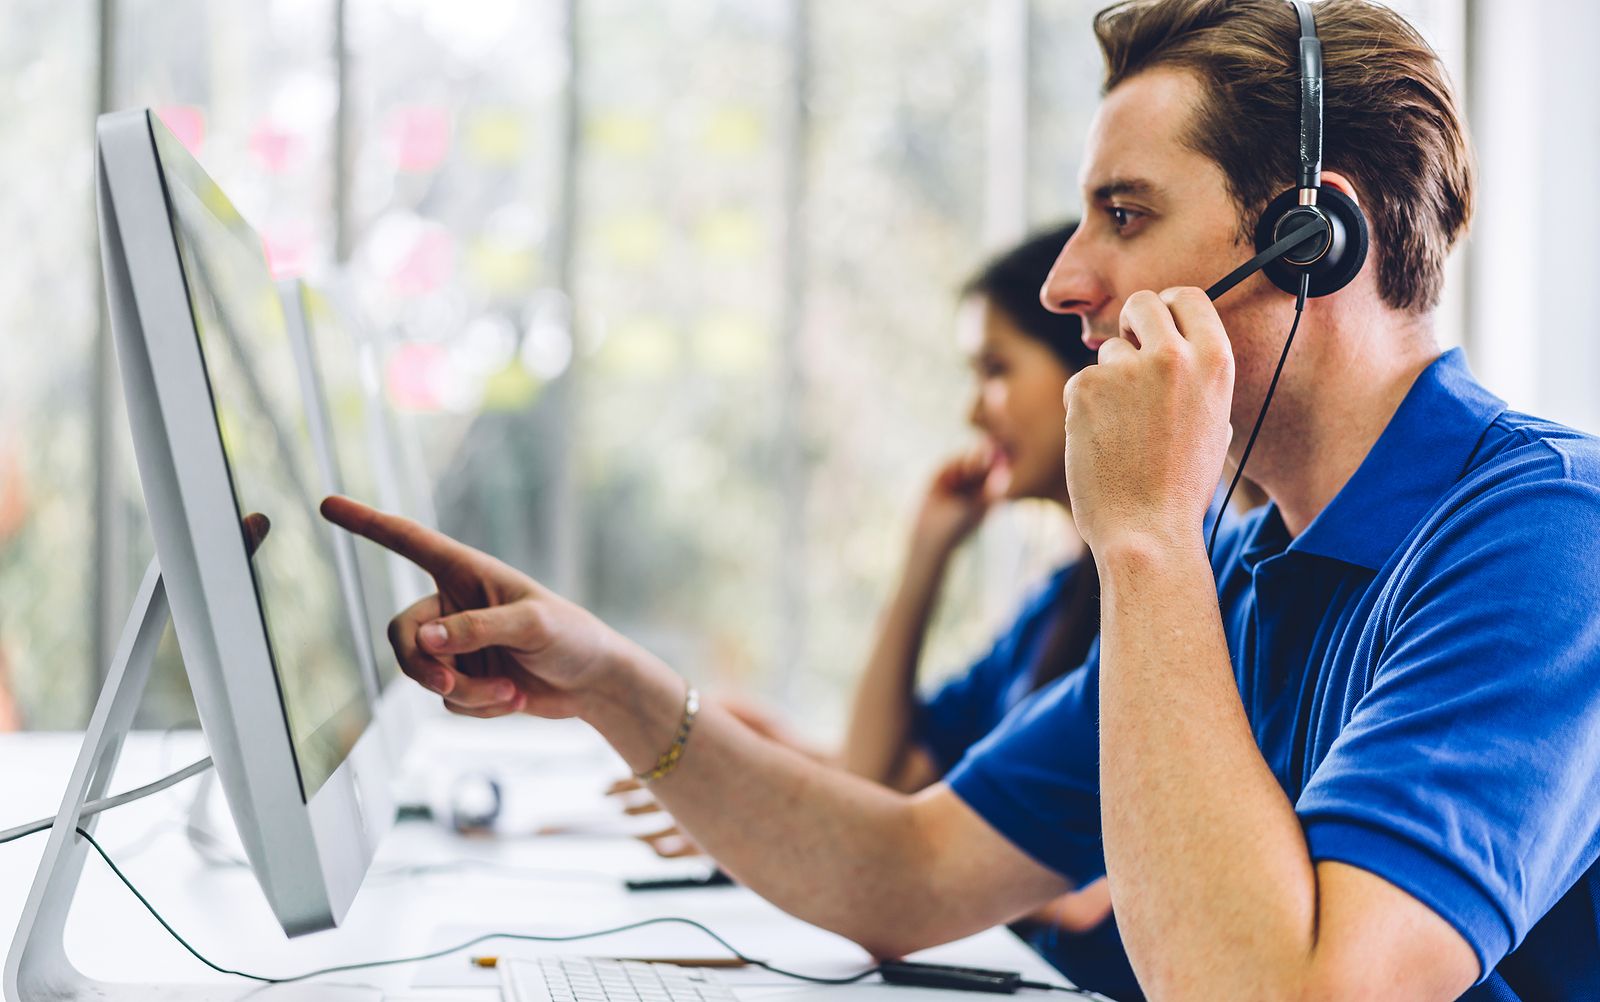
(1122, 217)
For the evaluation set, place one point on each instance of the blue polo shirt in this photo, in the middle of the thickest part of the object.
(968, 706)
(1421, 669)
(963, 710)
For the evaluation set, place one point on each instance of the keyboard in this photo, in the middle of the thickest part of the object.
(596, 979)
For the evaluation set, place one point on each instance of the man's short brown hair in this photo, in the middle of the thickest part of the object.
(1390, 121)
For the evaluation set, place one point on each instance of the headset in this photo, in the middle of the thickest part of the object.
(1310, 241)
(1308, 231)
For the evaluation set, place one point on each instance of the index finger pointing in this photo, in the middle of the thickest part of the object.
(432, 551)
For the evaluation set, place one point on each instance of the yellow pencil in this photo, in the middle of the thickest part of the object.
(493, 961)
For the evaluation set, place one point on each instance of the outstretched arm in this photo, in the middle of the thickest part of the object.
(892, 872)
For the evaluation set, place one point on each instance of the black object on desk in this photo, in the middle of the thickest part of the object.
(716, 878)
(963, 979)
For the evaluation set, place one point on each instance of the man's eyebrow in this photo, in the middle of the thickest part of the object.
(1134, 186)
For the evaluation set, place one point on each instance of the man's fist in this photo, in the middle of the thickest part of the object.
(1147, 428)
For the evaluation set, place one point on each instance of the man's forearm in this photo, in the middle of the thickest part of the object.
(827, 846)
(1214, 887)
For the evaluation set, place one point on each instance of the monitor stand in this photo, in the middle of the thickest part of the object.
(37, 968)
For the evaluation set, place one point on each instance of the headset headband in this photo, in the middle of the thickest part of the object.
(1310, 99)
(1310, 242)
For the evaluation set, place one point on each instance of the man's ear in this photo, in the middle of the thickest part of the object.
(1334, 179)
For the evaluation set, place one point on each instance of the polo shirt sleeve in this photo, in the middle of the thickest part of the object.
(1036, 777)
(970, 705)
(1469, 772)
(961, 711)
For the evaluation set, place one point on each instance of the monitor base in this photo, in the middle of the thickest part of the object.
(37, 968)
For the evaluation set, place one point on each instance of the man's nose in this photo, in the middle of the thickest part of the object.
(1070, 287)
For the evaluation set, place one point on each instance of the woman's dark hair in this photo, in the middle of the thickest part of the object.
(1011, 282)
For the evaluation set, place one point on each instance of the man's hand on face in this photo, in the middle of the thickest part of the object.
(1147, 428)
(492, 641)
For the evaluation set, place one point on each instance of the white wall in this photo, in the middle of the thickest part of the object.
(1533, 260)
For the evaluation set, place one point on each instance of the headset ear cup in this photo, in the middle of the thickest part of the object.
(1335, 269)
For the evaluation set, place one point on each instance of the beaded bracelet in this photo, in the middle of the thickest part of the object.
(669, 758)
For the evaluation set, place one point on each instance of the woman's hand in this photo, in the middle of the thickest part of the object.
(1076, 911)
(667, 841)
(959, 496)
(492, 641)
(670, 841)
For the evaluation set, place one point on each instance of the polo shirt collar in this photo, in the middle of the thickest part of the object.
(1422, 453)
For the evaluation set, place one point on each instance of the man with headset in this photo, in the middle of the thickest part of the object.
(1354, 754)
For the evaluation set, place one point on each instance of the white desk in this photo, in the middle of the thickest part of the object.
(578, 887)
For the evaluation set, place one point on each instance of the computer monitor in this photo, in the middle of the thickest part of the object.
(220, 433)
(355, 437)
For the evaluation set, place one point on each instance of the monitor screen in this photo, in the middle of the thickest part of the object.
(346, 366)
(256, 398)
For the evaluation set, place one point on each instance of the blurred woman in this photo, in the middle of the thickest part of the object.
(1021, 357)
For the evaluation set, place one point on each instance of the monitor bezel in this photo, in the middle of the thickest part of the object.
(309, 856)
